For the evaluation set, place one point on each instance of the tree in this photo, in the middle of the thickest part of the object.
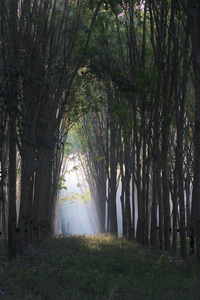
(192, 11)
(44, 53)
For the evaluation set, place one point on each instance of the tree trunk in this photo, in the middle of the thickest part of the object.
(127, 187)
(175, 210)
(196, 67)
(156, 182)
(188, 206)
(122, 197)
(133, 188)
(153, 233)
(12, 217)
(112, 183)
(25, 214)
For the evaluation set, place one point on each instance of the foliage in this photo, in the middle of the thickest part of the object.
(83, 197)
(97, 268)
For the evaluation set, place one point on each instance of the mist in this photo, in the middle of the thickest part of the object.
(76, 213)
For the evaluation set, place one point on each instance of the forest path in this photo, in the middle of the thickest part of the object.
(97, 268)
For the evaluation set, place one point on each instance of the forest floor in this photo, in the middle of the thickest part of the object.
(97, 268)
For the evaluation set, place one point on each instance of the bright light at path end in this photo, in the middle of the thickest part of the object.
(76, 215)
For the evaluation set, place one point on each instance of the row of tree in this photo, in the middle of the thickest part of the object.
(43, 44)
(145, 134)
(134, 68)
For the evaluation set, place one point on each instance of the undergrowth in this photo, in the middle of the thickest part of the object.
(97, 268)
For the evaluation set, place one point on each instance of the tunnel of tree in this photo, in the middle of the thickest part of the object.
(125, 75)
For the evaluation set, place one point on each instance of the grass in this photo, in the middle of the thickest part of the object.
(97, 268)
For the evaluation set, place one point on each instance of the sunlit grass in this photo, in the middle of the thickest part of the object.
(98, 267)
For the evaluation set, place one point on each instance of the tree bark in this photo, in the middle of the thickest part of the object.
(112, 189)
(12, 217)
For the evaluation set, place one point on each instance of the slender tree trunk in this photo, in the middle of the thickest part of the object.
(26, 194)
(3, 162)
(102, 195)
(12, 217)
(127, 186)
(153, 233)
(165, 183)
(140, 224)
(144, 183)
(112, 183)
(133, 187)
(156, 183)
(13, 99)
(175, 210)
(187, 195)
(196, 67)
(122, 197)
